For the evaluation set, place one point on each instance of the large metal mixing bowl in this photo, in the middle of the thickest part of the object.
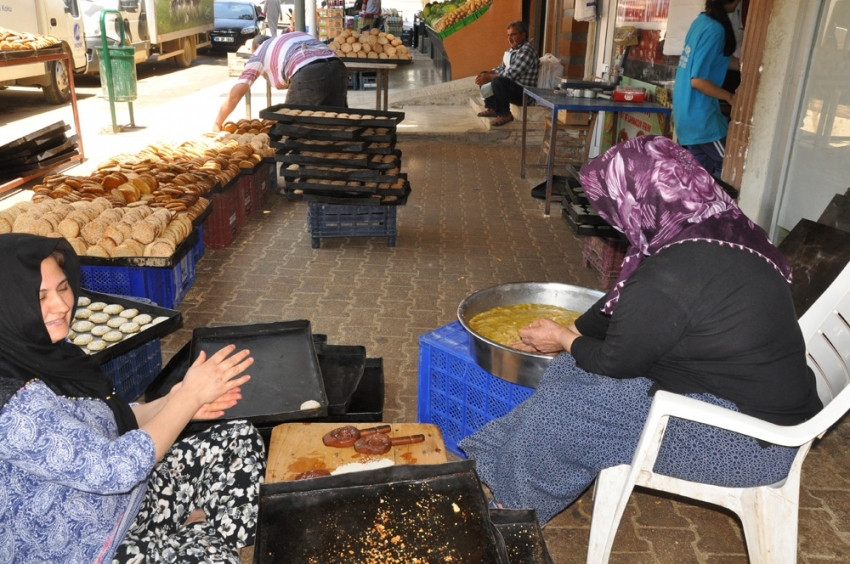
(509, 364)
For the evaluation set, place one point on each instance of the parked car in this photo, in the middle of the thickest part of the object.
(236, 21)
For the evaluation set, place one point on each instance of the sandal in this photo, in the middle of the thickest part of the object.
(502, 120)
(489, 112)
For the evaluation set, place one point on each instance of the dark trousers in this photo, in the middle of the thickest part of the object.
(323, 82)
(710, 155)
(505, 93)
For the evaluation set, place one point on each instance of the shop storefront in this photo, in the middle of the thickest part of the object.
(789, 138)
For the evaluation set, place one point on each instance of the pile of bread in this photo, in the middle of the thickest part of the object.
(139, 205)
(23, 41)
(95, 228)
(373, 44)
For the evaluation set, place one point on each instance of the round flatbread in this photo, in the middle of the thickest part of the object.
(100, 330)
(129, 328)
(82, 326)
(99, 318)
(97, 345)
(146, 327)
(142, 319)
(83, 340)
(82, 313)
(116, 322)
(97, 306)
(113, 336)
(113, 309)
(72, 335)
(83, 301)
(159, 319)
(129, 313)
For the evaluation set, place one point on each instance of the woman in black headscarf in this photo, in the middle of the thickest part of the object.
(86, 477)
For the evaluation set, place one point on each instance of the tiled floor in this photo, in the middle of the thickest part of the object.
(471, 223)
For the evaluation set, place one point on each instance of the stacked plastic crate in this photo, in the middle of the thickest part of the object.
(344, 163)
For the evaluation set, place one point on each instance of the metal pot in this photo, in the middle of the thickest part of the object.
(509, 364)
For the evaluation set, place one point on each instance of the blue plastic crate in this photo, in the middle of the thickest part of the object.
(133, 372)
(164, 286)
(455, 393)
(336, 220)
(198, 250)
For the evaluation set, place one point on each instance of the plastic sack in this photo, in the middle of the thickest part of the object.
(551, 71)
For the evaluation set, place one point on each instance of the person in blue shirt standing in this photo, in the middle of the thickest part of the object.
(708, 54)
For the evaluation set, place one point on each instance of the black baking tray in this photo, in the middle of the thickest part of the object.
(381, 118)
(388, 137)
(522, 535)
(284, 375)
(368, 61)
(602, 230)
(156, 262)
(322, 185)
(361, 174)
(584, 214)
(308, 132)
(351, 198)
(173, 323)
(329, 146)
(342, 367)
(36, 137)
(433, 512)
(365, 403)
(23, 169)
(40, 151)
(295, 157)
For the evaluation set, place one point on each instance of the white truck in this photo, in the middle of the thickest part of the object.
(158, 29)
(63, 19)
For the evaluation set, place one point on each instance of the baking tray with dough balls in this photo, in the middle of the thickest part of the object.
(98, 325)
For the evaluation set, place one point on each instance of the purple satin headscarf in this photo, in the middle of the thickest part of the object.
(658, 195)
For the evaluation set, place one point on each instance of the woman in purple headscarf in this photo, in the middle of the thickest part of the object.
(702, 307)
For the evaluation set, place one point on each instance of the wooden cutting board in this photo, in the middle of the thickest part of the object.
(298, 447)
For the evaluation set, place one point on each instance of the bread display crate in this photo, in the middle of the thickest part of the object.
(132, 372)
(605, 255)
(164, 285)
(248, 203)
(455, 393)
(333, 220)
(223, 225)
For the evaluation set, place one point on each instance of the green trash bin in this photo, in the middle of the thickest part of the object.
(123, 73)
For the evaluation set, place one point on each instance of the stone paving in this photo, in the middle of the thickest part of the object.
(470, 223)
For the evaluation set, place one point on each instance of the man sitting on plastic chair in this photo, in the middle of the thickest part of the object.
(504, 85)
(701, 308)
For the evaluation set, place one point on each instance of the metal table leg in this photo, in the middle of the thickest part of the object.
(550, 161)
(524, 128)
(386, 82)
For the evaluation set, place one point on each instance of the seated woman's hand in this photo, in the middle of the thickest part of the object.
(217, 407)
(214, 383)
(544, 336)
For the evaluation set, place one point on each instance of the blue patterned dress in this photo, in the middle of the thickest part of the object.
(70, 487)
(550, 448)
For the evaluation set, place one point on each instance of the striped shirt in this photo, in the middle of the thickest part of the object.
(281, 57)
(524, 67)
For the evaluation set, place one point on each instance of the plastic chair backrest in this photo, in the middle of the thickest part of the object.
(826, 327)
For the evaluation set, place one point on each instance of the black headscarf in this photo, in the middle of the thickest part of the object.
(26, 350)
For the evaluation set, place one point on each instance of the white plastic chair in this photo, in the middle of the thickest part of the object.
(768, 513)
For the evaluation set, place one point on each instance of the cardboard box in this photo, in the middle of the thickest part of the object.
(573, 118)
(330, 12)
